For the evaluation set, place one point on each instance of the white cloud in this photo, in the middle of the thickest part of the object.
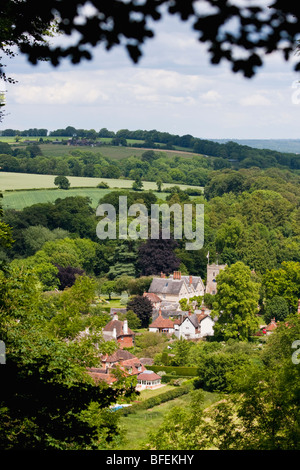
(255, 99)
(173, 89)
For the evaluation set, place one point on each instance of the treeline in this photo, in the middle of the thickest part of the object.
(33, 132)
(151, 166)
(241, 156)
(156, 166)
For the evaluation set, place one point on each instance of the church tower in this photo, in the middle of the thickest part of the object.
(212, 272)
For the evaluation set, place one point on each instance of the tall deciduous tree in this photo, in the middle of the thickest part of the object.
(236, 302)
(284, 282)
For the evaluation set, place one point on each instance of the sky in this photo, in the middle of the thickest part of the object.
(173, 88)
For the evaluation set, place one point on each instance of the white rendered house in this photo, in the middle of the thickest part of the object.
(195, 326)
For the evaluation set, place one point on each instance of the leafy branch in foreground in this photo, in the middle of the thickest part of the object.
(260, 29)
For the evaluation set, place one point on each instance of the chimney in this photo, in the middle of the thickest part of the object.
(125, 327)
(159, 312)
(115, 317)
(191, 280)
(162, 275)
(175, 275)
(179, 274)
(114, 333)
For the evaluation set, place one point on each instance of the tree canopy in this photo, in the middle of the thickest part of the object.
(258, 29)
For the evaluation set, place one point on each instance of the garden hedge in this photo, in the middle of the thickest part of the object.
(181, 371)
(158, 399)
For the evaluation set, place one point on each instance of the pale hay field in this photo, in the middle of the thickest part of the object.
(21, 189)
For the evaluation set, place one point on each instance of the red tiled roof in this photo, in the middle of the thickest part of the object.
(161, 322)
(148, 376)
(272, 325)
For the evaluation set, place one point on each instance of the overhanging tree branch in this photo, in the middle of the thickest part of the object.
(241, 35)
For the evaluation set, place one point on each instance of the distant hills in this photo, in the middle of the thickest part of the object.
(280, 145)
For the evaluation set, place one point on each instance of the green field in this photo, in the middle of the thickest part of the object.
(114, 152)
(20, 199)
(137, 426)
(22, 189)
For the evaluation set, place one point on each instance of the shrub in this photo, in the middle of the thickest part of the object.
(102, 184)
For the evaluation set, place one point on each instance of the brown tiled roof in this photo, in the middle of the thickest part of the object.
(152, 297)
(119, 326)
(201, 316)
(133, 364)
(118, 355)
(149, 375)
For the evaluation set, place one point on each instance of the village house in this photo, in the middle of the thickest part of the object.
(125, 362)
(271, 327)
(162, 325)
(194, 326)
(119, 331)
(176, 287)
(154, 299)
(184, 325)
(121, 360)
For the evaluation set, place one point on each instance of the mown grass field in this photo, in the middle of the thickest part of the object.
(22, 189)
(20, 199)
(137, 426)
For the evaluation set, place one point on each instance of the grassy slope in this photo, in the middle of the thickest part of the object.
(59, 150)
(137, 426)
(19, 199)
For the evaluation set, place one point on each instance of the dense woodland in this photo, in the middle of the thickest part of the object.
(252, 223)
